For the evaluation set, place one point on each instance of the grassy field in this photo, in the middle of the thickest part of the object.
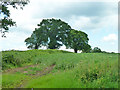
(59, 69)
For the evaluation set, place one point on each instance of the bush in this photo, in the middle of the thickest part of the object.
(96, 50)
(9, 60)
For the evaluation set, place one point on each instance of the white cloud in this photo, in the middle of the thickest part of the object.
(14, 40)
(110, 38)
(94, 24)
(86, 18)
(79, 22)
(35, 11)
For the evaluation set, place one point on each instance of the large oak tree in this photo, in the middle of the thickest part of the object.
(51, 33)
(54, 33)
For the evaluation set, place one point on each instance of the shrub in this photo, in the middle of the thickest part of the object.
(9, 60)
(96, 50)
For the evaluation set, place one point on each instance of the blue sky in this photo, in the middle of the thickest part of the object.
(99, 19)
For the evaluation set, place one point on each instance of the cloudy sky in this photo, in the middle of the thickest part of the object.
(97, 18)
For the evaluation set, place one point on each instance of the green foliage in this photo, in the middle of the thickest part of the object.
(54, 33)
(51, 33)
(9, 60)
(33, 42)
(7, 22)
(87, 48)
(78, 40)
(96, 50)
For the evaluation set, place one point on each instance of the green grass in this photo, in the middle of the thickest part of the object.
(57, 80)
(0, 80)
(82, 70)
(13, 59)
(90, 70)
(12, 80)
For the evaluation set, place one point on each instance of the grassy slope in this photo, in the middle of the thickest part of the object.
(84, 70)
(12, 59)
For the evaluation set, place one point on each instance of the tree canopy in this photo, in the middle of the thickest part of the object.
(54, 33)
(78, 40)
(87, 48)
(51, 33)
(96, 50)
(6, 21)
(32, 42)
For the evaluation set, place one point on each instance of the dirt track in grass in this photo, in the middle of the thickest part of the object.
(38, 74)
(19, 69)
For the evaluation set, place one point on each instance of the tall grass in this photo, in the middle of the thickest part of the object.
(82, 70)
(11, 59)
(85, 70)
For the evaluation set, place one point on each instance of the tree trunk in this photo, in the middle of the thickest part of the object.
(36, 46)
(75, 50)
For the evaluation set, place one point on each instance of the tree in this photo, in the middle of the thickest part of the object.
(35, 41)
(51, 33)
(32, 42)
(77, 40)
(86, 48)
(6, 21)
(96, 50)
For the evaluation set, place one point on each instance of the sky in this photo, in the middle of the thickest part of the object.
(97, 18)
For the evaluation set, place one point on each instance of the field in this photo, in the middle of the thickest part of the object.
(59, 69)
